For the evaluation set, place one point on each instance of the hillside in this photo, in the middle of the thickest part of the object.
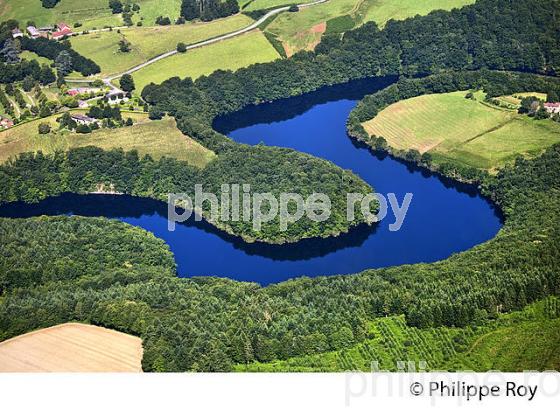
(472, 132)
(156, 138)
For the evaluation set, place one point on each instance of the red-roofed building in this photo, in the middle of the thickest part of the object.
(6, 123)
(63, 31)
(552, 108)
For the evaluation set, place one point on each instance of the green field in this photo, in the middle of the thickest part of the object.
(148, 42)
(91, 13)
(301, 30)
(452, 127)
(29, 55)
(382, 11)
(526, 340)
(230, 54)
(157, 138)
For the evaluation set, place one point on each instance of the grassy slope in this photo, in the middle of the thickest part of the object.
(230, 54)
(148, 42)
(91, 13)
(157, 138)
(294, 28)
(451, 126)
(382, 11)
(29, 55)
(526, 340)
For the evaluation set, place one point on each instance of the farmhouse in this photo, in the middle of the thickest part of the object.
(34, 33)
(63, 31)
(83, 119)
(82, 90)
(552, 108)
(116, 96)
(17, 33)
(6, 123)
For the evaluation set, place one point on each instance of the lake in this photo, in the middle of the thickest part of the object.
(444, 217)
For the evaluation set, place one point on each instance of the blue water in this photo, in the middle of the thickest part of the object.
(443, 218)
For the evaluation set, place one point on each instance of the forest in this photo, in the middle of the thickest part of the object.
(208, 10)
(32, 177)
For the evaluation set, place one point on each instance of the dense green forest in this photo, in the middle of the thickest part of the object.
(212, 324)
(32, 177)
(494, 84)
(207, 10)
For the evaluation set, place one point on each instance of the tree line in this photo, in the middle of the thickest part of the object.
(207, 10)
(51, 49)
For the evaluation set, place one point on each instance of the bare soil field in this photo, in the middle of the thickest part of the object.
(72, 347)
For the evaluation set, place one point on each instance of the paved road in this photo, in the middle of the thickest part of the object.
(107, 80)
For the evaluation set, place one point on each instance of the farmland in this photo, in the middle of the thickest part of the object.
(156, 138)
(72, 347)
(230, 54)
(148, 42)
(296, 30)
(91, 13)
(468, 131)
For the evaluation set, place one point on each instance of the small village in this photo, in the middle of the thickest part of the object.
(30, 100)
(58, 32)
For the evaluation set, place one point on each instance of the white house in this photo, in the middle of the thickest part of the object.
(116, 96)
(33, 32)
(17, 33)
(83, 119)
(552, 108)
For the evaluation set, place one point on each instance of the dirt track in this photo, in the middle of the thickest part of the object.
(72, 347)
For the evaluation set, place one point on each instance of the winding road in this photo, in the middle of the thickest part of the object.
(252, 26)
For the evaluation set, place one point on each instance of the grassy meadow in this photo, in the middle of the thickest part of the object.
(469, 131)
(526, 340)
(157, 138)
(91, 13)
(303, 30)
(148, 42)
(230, 54)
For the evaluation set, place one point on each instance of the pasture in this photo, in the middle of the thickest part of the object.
(91, 13)
(295, 30)
(382, 11)
(156, 138)
(449, 126)
(230, 54)
(148, 42)
(72, 347)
